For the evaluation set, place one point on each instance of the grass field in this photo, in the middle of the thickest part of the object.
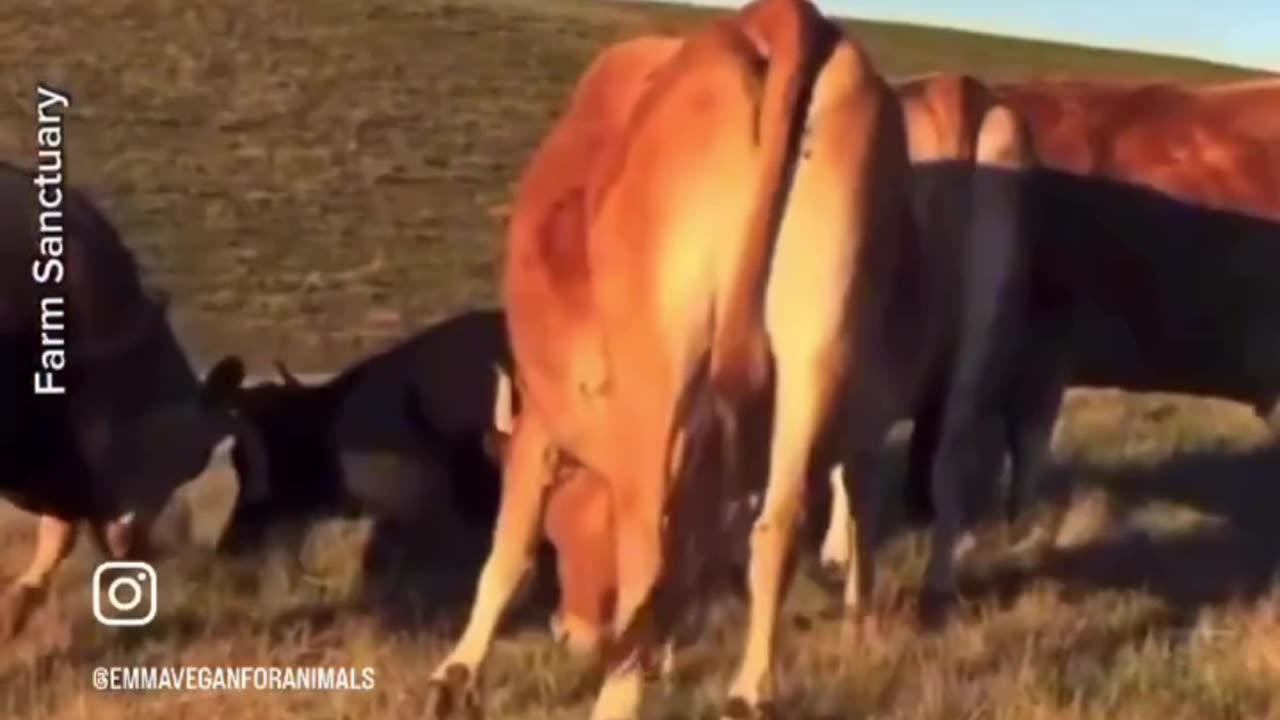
(311, 180)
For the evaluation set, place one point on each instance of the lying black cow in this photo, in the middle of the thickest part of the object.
(134, 422)
(399, 437)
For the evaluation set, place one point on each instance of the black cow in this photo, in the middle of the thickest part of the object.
(134, 422)
(400, 437)
(1155, 255)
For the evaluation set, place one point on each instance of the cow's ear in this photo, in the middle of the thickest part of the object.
(223, 381)
(288, 378)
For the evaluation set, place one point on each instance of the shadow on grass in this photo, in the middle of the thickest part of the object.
(430, 588)
(1230, 556)
(426, 601)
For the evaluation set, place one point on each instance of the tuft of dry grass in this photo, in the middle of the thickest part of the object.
(313, 180)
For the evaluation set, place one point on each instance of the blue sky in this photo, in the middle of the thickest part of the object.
(1240, 32)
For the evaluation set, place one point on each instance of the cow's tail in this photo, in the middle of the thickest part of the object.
(787, 33)
(995, 305)
(1004, 214)
(788, 30)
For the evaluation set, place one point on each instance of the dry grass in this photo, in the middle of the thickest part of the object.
(313, 179)
(1156, 600)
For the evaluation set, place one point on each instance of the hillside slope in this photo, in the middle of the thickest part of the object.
(311, 179)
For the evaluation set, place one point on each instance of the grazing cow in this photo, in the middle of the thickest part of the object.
(399, 436)
(134, 423)
(1158, 222)
(970, 201)
(578, 521)
(639, 288)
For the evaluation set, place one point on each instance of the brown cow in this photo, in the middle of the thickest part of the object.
(1213, 145)
(617, 364)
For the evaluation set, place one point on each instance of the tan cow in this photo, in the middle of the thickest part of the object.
(578, 521)
(657, 323)
(970, 161)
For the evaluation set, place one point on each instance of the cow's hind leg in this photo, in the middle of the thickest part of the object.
(124, 538)
(805, 388)
(837, 541)
(638, 501)
(1032, 416)
(1033, 401)
(993, 300)
(524, 482)
(55, 538)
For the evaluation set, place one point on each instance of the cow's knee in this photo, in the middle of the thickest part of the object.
(837, 542)
(123, 538)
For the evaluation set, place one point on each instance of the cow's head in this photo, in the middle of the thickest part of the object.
(147, 424)
(291, 424)
(578, 521)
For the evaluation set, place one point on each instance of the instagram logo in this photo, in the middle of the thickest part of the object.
(130, 594)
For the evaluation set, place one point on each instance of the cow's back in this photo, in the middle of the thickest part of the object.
(1163, 222)
(410, 428)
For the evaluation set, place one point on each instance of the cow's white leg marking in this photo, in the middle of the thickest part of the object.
(122, 538)
(838, 539)
(524, 481)
(55, 538)
(863, 473)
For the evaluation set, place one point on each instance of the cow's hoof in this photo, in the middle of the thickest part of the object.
(847, 614)
(738, 709)
(453, 696)
(856, 615)
(934, 609)
(831, 573)
(16, 607)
